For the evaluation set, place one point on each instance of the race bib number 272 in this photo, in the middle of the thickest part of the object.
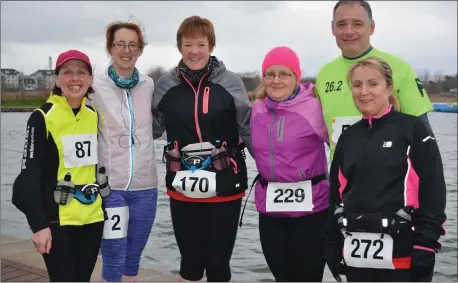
(369, 250)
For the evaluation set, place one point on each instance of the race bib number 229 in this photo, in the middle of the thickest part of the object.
(288, 197)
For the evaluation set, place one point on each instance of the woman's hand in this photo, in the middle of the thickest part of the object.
(42, 240)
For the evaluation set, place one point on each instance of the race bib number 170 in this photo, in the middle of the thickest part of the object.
(197, 184)
(80, 150)
(369, 250)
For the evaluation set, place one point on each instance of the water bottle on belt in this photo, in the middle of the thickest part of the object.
(64, 190)
(173, 158)
(220, 157)
(102, 181)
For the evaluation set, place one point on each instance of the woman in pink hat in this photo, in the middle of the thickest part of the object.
(288, 133)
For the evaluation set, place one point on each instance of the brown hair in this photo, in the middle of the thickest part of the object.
(385, 69)
(194, 25)
(115, 26)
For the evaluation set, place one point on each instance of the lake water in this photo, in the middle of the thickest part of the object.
(247, 263)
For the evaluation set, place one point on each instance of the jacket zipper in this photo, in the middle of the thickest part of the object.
(131, 140)
(196, 103)
(271, 151)
(205, 102)
(280, 127)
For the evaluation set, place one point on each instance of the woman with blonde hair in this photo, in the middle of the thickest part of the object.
(387, 195)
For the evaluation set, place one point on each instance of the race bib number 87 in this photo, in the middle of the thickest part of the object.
(197, 184)
(288, 197)
(80, 150)
(369, 250)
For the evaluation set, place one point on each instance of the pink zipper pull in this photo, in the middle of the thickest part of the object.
(206, 97)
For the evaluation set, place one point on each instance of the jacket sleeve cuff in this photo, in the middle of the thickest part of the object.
(37, 223)
(424, 248)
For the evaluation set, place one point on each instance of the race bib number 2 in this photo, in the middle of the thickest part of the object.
(80, 150)
(115, 227)
(289, 197)
(339, 124)
(369, 250)
(197, 184)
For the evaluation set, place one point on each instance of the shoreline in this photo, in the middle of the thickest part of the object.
(23, 252)
(18, 109)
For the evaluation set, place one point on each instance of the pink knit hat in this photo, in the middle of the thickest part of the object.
(283, 56)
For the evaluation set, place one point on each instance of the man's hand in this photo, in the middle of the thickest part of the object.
(42, 240)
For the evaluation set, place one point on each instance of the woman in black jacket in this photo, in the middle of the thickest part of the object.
(204, 109)
(387, 188)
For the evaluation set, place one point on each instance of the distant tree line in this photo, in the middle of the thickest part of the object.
(435, 84)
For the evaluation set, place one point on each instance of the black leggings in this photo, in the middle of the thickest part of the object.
(205, 234)
(377, 275)
(74, 251)
(294, 247)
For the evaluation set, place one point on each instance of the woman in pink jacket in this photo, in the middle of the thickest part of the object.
(288, 133)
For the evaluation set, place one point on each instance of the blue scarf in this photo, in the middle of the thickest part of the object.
(124, 83)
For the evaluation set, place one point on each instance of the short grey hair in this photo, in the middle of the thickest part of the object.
(361, 3)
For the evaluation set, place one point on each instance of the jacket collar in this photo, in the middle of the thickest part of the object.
(62, 102)
(305, 93)
(374, 120)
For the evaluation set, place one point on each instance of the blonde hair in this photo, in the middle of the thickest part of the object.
(260, 91)
(385, 69)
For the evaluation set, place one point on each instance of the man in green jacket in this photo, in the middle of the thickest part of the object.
(352, 27)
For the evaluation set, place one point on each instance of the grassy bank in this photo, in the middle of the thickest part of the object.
(26, 103)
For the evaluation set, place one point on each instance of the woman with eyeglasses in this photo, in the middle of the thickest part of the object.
(57, 186)
(123, 98)
(204, 109)
(291, 192)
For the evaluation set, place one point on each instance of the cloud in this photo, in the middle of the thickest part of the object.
(423, 33)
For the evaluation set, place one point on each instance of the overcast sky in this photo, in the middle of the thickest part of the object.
(423, 33)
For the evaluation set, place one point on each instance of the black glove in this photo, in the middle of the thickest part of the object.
(333, 259)
(422, 265)
(335, 267)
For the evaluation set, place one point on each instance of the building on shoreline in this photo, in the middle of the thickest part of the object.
(12, 79)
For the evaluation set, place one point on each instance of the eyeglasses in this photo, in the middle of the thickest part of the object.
(281, 76)
(121, 45)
